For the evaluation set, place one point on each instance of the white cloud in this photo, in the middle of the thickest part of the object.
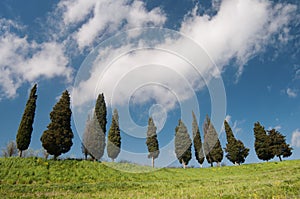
(27, 61)
(99, 17)
(240, 30)
(235, 127)
(228, 118)
(277, 128)
(292, 93)
(296, 138)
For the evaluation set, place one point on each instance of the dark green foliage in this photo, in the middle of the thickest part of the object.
(152, 143)
(197, 141)
(183, 144)
(262, 143)
(25, 127)
(93, 139)
(100, 110)
(212, 145)
(278, 146)
(57, 139)
(114, 137)
(235, 149)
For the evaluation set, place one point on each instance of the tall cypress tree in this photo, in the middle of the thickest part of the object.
(93, 139)
(235, 149)
(25, 127)
(262, 143)
(183, 144)
(57, 139)
(278, 146)
(114, 137)
(197, 141)
(212, 145)
(101, 112)
(152, 142)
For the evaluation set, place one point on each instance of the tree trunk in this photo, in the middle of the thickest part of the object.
(20, 153)
(55, 157)
(152, 162)
(183, 163)
(280, 158)
(211, 164)
(218, 164)
(113, 160)
(200, 165)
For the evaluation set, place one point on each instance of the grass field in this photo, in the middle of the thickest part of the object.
(40, 178)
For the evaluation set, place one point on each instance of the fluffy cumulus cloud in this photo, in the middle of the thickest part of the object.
(240, 30)
(296, 138)
(27, 61)
(94, 17)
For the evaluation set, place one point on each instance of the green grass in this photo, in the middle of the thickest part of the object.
(39, 178)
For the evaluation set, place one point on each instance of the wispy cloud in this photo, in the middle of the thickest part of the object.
(277, 128)
(93, 18)
(296, 138)
(292, 93)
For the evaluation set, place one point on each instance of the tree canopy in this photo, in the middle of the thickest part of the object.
(199, 154)
(57, 139)
(114, 137)
(212, 145)
(183, 144)
(152, 142)
(25, 128)
(235, 149)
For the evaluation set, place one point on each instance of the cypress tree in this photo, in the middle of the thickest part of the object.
(93, 139)
(235, 149)
(101, 112)
(279, 146)
(114, 137)
(152, 142)
(183, 144)
(57, 139)
(212, 145)
(262, 143)
(197, 141)
(25, 127)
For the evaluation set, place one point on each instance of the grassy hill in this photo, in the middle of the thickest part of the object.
(39, 178)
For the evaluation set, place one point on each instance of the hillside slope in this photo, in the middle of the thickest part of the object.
(36, 177)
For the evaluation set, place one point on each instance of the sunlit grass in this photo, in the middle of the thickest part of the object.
(36, 177)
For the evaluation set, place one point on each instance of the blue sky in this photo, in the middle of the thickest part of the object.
(252, 48)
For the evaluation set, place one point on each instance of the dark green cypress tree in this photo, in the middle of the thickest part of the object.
(262, 143)
(197, 141)
(101, 112)
(152, 142)
(57, 139)
(279, 146)
(114, 137)
(212, 145)
(25, 127)
(235, 149)
(93, 139)
(183, 144)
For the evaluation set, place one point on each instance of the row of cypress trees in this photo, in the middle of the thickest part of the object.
(57, 139)
(93, 143)
(270, 143)
(211, 148)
